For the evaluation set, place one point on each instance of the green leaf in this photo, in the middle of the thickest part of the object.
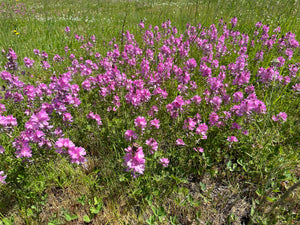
(70, 217)
(271, 199)
(161, 212)
(154, 210)
(96, 209)
(81, 200)
(86, 219)
(151, 220)
(6, 221)
(149, 199)
(202, 186)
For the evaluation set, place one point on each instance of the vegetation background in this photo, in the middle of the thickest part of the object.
(57, 192)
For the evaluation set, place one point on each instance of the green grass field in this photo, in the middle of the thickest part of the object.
(255, 181)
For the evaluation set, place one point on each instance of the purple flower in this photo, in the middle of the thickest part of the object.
(236, 126)
(135, 162)
(199, 149)
(213, 118)
(232, 139)
(2, 177)
(179, 142)
(197, 99)
(140, 122)
(67, 117)
(233, 21)
(190, 124)
(67, 30)
(153, 144)
(141, 24)
(238, 96)
(2, 108)
(155, 123)
(77, 154)
(130, 135)
(282, 116)
(28, 62)
(296, 87)
(24, 151)
(245, 132)
(2, 150)
(164, 162)
(191, 63)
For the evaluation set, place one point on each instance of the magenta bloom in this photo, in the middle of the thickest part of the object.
(153, 144)
(282, 116)
(67, 117)
(67, 30)
(2, 108)
(130, 135)
(25, 151)
(2, 150)
(233, 21)
(296, 87)
(191, 63)
(179, 142)
(199, 149)
(245, 132)
(197, 99)
(202, 130)
(213, 118)
(94, 116)
(63, 143)
(77, 154)
(140, 122)
(135, 162)
(164, 162)
(2, 178)
(155, 123)
(232, 139)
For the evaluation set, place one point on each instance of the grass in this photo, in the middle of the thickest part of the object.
(219, 188)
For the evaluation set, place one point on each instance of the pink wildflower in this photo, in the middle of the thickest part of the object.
(67, 117)
(179, 142)
(232, 139)
(155, 123)
(140, 122)
(164, 162)
(199, 149)
(282, 116)
(135, 162)
(77, 154)
(2, 150)
(130, 135)
(2, 178)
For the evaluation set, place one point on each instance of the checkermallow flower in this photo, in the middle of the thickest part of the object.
(130, 135)
(140, 122)
(164, 162)
(2, 177)
(232, 139)
(281, 117)
(135, 161)
(180, 142)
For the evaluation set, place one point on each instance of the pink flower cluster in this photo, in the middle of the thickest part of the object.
(94, 116)
(76, 153)
(192, 85)
(280, 117)
(134, 160)
(2, 177)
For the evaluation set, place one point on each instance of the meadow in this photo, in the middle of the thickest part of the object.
(149, 112)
